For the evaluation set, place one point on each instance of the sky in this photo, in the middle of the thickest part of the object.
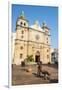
(41, 13)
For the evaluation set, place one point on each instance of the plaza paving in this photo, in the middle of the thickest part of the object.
(21, 77)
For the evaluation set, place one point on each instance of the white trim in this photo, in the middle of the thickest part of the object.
(26, 3)
(9, 44)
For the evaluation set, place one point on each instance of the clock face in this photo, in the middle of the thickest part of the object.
(37, 37)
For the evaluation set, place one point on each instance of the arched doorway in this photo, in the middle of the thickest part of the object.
(37, 56)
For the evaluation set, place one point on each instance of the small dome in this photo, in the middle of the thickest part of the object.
(44, 24)
(36, 23)
(36, 26)
(22, 16)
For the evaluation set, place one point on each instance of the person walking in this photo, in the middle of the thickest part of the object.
(39, 68)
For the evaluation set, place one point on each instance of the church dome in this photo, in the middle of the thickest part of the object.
(36, 26)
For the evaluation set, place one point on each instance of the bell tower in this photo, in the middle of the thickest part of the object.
(47, 42)
(22, 22)
(21, 26)
(21, 38)
(45, 28)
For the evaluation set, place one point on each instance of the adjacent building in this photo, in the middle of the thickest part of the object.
(54, 55)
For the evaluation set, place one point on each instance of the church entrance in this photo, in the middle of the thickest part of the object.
(37, 56)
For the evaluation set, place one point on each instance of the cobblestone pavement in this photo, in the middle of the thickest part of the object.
(21, 77)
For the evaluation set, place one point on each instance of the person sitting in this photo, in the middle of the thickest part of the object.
(46, 74)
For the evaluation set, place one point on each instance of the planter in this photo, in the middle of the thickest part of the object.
(29, 70)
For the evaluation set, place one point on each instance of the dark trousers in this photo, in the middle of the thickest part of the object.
(39, 71)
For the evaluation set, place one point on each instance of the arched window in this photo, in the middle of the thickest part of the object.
(22, 32)
(21, 47)
(21, 55)
(21, 23)
(47, 56)
(22, 36)
(37, 53)
(47, 50)
(47, 39)
(24, 24)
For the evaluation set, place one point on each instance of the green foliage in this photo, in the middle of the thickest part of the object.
(30, 58)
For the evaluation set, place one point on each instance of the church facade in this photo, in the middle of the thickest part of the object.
(31, 40)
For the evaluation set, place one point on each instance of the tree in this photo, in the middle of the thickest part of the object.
(30, 58)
